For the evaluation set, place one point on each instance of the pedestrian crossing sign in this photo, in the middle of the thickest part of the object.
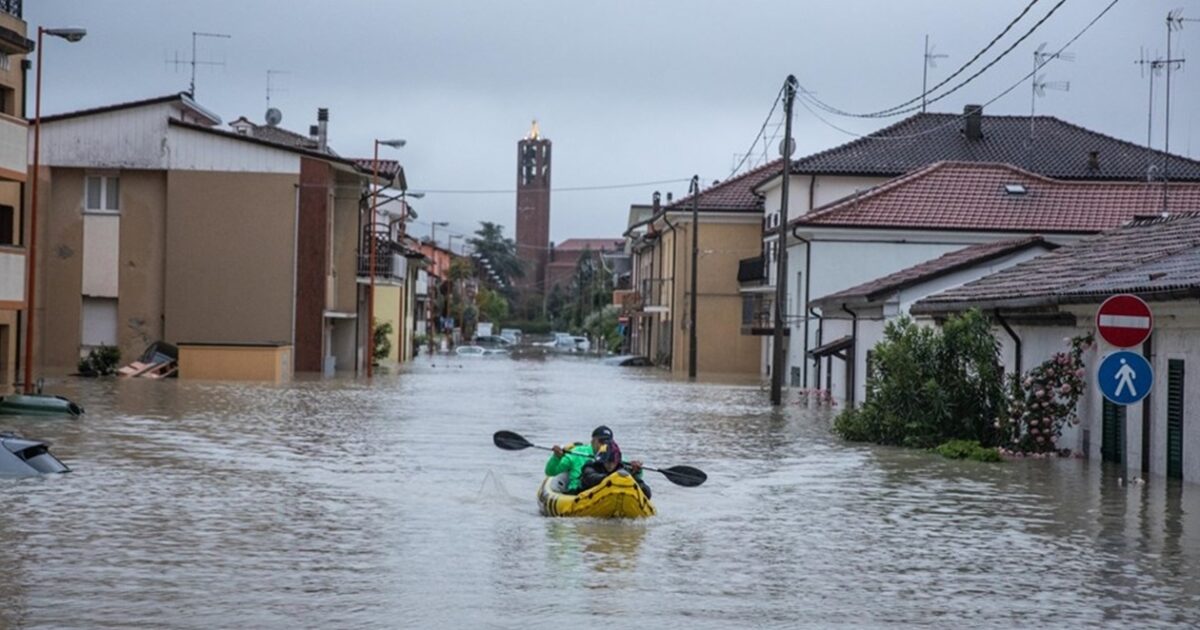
(1125, 377)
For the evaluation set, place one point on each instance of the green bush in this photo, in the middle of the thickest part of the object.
(968, 449)
(383, 345)
(100, 361)
(929, 385)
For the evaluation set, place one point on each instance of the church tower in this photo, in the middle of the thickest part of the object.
(533, 208)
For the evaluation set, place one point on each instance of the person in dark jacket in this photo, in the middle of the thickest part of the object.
(606, 459)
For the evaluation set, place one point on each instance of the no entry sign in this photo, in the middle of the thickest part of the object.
(1124, 320)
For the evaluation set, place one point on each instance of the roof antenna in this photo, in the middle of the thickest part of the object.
(1175, 21)
(274, 116)
(1039, 85)
(1150, 68)
(193, 62)
(930, 62)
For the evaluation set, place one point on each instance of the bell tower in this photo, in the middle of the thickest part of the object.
(533, 208)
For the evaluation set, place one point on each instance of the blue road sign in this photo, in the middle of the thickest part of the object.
(1125, 377)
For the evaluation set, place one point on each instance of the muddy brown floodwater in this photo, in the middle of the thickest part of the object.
(338, 504)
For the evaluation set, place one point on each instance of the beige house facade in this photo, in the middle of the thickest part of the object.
(158, 225)
(14, 48)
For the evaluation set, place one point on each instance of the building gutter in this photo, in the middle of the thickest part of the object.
(807, 285)
(1016, 340)
(812, 314)
(852, 360)
(674, 273)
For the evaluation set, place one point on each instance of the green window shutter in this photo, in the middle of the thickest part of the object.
(1112, 438)
(1175, 418)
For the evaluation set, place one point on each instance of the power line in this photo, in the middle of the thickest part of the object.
(902, 109)
(959, 117)
(761, 134)
(507, 191)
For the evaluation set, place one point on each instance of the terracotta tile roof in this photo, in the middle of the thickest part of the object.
(1061, 149)
(1128, 259)
(388, 169)
(594, 244)
(972, 196)
(935, 268)
(735, 194)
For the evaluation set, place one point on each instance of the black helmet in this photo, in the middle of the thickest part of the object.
(603, 433)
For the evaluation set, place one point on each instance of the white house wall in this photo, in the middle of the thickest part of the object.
(129, 138)
(192, 150)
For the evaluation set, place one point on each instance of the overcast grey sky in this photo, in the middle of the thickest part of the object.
(628, 91)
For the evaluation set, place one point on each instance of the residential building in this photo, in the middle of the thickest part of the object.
(1039, 303)
(14, 46)
(730, 229)
(564, 257)
(159, 225)
(841, 177)
(852, 321)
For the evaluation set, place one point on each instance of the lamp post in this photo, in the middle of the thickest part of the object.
(71, 35)
(396, 144)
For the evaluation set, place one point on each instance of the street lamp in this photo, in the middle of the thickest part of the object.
(395, 144)
(71, 35)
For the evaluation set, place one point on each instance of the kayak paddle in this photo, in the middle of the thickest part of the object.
(686, 476)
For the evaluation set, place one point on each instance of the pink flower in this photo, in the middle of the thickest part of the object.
(1039, 393)
(1028, 381)
(1041, 439)
(1079, 373)
(1066, 389)
(1034, 431)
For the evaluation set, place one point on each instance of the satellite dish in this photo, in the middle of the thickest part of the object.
(787, 147)
(274, 116)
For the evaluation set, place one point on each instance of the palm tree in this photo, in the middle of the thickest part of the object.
(490, 244)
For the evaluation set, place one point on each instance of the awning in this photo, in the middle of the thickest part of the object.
(833, 348)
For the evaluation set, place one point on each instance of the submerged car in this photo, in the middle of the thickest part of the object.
(470, 351)
(21, 456)
(629, 360)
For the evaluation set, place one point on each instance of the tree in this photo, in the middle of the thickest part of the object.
(491, 245)
(493, 307)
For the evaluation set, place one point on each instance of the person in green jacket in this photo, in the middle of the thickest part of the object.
(570, 459)
(588, 464)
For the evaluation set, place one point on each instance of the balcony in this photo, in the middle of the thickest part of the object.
(758, 315)
(12, 277)
(13, 151)
(389, 267)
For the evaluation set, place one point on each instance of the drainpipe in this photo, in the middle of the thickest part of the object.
(1148, 352)
(807, 284)
(812, 314)
(1013, 335)
(674, 273)
(852, 359)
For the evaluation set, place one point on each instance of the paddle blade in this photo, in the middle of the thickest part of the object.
(686, 476)
(510, 441)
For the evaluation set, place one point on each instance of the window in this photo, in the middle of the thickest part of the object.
(1015, 190)
(99, 322)
(7, 229)
(5, 64)
(1175, 418)
(103, 194)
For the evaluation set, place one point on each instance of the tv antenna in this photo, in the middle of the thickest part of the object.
(194, 61)
(930, 62)
(1039, 85)
(271, 90)
(1175, 22)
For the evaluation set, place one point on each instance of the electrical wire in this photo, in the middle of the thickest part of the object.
(901, 109)
(761, 133)
(509, 191)
(960, 117)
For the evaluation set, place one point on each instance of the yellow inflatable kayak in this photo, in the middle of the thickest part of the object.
(618, 496)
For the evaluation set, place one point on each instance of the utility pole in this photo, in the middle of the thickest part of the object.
(779, 352)
(694, 191)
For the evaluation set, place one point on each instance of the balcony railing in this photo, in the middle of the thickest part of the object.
(13, 154)
(12, 274)
(11, 7)
(387, 265)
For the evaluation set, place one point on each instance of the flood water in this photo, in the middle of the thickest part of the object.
(337, 504)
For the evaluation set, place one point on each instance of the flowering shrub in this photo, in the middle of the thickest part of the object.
(1043, 401)
(817, 395)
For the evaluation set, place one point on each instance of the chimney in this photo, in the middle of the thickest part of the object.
(1093, 161)
(322, 129)
(670, 197)
(655, 203)
(973, 118)
(313, 132)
